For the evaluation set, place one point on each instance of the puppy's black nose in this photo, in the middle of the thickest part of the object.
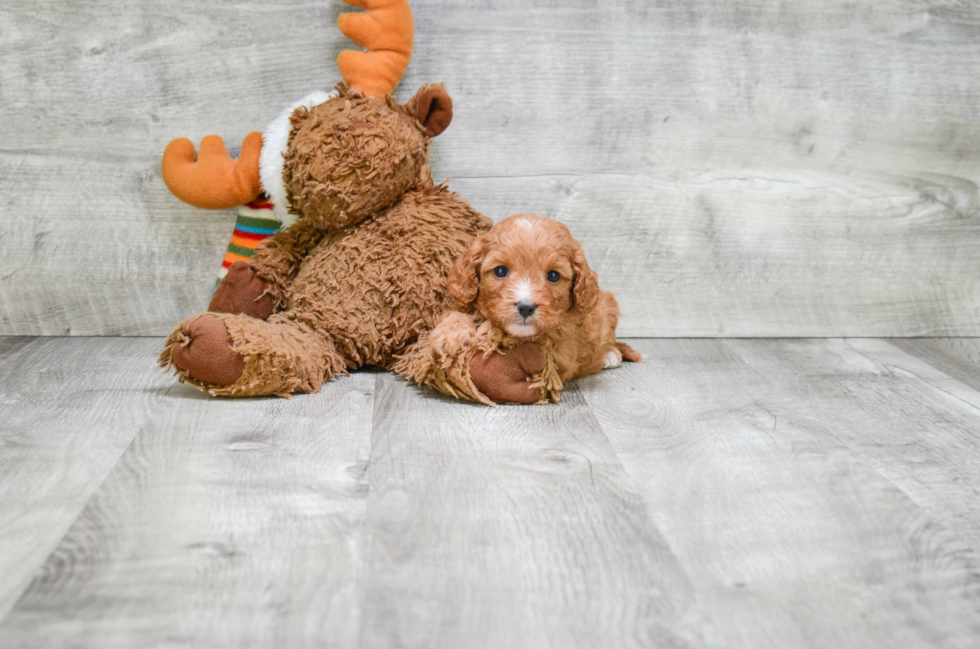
(526, 309)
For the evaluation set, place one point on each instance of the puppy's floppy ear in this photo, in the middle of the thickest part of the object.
(464, 278)
(585, 283)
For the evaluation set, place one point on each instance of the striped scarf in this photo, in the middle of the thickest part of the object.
(256, 222)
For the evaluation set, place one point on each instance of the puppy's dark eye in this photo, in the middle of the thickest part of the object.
(500, 271)
(553, 276)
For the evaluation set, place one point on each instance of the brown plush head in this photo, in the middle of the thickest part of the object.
(337, 162)
(524, 275)
(354, 155)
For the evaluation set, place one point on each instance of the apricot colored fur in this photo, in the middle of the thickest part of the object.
(574, 323)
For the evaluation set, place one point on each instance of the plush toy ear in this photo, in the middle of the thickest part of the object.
(585, 283)
(435, 110)
(464, 278)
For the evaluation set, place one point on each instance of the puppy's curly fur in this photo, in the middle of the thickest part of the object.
(526, 280)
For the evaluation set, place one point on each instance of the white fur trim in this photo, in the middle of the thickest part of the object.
(275, 139)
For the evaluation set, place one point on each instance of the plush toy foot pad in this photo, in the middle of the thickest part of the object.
(505, 377)
(242, 292)
(206, 355)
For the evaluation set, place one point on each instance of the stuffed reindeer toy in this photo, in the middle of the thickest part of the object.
(343, 247)
(358, 271)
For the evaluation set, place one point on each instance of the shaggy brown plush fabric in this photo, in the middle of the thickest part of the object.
(375, 287)
(278, 258)
(259, 357)
(362, 274)
(484, 365)
(336, 148)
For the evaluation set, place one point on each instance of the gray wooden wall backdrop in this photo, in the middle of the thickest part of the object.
(753, 168)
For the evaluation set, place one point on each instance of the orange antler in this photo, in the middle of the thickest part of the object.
(213, 180)
(386, 30)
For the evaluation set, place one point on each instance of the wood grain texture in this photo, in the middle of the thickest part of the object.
(509, 527)
(781, 473)
(770, 254)
(957, 357)
(917, 410)
(227, 523)
(743, 169)
(770, 493)
(923, 439)
(68, 410)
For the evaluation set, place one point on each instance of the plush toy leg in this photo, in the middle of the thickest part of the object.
(242, 291)
(235, 355)
(239, 289)
(440, 358)
(492, 376)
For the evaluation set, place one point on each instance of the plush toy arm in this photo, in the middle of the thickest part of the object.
(277, 259)
(440, 358)
(462, 360)
(211, 179)
(514, 375)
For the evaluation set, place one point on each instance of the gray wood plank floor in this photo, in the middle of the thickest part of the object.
(725, 493)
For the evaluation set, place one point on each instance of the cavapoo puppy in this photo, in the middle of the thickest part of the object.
(530, 317)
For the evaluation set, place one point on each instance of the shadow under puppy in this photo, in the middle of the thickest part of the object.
(525, 290)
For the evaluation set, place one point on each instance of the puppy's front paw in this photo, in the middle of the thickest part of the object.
(506, 377)
(452, 336)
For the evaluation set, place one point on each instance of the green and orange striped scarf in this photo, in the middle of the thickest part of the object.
(255, 223)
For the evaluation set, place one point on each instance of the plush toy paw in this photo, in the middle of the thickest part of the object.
(205, 352)
(242, 292)
(506, 377)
